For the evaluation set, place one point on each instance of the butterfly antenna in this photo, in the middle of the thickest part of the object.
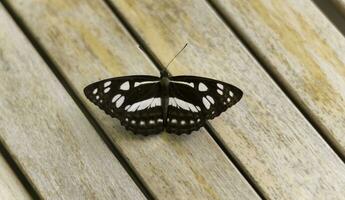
(175, 56)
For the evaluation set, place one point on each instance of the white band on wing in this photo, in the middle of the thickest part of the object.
(136, 84)
(141, 105)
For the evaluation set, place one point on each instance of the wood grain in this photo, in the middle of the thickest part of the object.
(88, 43)
(46, 133)
(304, 50)
(281, 151)
(10, 186)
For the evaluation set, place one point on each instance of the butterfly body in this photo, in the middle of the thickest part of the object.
(164, 83)
(149, 105)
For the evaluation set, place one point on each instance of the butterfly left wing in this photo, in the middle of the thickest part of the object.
(193, 100)
(134, 100)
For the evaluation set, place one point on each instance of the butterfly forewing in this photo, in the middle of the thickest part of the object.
(134, 100)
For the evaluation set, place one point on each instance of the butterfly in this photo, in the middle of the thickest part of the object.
(149, 105)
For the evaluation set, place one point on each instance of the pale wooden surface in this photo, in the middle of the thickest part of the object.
(88, 43)
(285, 156)
(46, 133)
(10, 187)
(308, 55)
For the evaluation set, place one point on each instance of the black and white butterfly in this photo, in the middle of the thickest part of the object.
(149, 105)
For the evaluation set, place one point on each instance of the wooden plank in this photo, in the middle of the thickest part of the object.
(88, 43)
(282, 152)
(10, 186)
(48, 136)
(304, 50)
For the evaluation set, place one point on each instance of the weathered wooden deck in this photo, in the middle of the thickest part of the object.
(284, 140)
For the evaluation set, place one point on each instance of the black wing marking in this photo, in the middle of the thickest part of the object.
(193, 100)
(134, 100)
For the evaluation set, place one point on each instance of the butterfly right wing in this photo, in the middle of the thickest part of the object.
(212, 96)
(193, 100)
(134, 100)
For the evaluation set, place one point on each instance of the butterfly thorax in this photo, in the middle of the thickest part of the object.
(164, 82)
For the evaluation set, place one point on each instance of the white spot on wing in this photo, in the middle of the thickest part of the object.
(160, 120)
(120, 101)
(144, 104)
(220, 92)
(95, 91)
(210, 99)
(183, 122)
(106, 89)
(231, 93)
(142, 123)
(151, 122)
(141, 105)
(206, 103)
(144, 82)
(202, 87)
(115, 98)
(133, 107)
(155, 102)
(191, 121)
(174, 121)
(172, 102)
(183, 104)
(220, 86)
(106, 84)
(175, 102)
(193, 108)
(125, 86)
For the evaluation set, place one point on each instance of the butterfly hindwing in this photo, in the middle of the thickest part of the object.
(184, 110)
(134, 100)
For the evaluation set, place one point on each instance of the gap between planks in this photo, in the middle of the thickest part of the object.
(25, 181)
(209, 128)
(41, 51)
(306, 112)
(332, 12)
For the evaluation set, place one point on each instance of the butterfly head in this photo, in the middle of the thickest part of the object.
(164, 73)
